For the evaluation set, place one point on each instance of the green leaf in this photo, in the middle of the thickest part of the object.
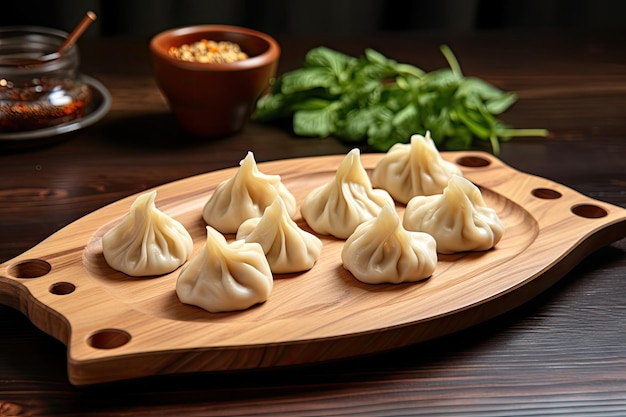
(501, 104)
(307, 79)
(354, 126)
(270, 106)
(313, 103)
(405, 121)
(461, 140)
(338, 64)
(409, 70)
(381, 134)
(320, 123)
(378, 58)
(480, 88)
(474, 122)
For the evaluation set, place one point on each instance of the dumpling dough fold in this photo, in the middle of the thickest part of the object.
(339, 206)
(381, 250)
(225, 276)
(288, 248)
(244, 196)
(415, 168)
(147, 241)
(458, 218)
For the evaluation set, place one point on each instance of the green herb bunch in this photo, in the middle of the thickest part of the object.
(376, 99)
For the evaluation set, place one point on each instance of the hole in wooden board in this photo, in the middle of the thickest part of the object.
(473, 161)
(31, 268)
(546, 193)
(589, 211)
(108, 339)
(62, 288)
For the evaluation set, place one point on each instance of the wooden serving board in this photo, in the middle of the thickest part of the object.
(118, 327)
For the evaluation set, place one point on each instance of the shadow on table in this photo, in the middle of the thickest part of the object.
(141, 130)
(133, 131)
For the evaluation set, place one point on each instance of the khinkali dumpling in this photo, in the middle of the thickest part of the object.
(415, 168)
(338, 207)
(288, 248)
(458, 219)
(147, 241)
(225, 276)
(244, 196)
(381, 250)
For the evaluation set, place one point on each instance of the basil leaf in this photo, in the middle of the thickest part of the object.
(307, 79)
(319, 122)
(500, 104)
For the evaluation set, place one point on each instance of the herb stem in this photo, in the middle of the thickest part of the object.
(527, 132)
(495, 144)
(452, 61)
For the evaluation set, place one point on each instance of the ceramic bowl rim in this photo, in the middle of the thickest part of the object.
(158, 41)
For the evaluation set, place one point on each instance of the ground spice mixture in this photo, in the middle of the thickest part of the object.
(208, 51)
(45, 103)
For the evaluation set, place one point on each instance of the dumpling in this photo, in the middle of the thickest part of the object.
(288, 248)
(415, 168)
(338, 207)
(381, 250)
(458, 219)
(147, 241)
(244, 196)
(225, 276)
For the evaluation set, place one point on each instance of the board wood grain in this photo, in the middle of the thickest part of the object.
(119, 327)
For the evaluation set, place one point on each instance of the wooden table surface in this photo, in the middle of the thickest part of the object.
(563, 353)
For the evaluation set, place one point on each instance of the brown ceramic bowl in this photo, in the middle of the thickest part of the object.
(212, 100)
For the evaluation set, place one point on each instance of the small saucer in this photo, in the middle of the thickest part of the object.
(101, 105)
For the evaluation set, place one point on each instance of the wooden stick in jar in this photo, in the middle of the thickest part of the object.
(78, 30)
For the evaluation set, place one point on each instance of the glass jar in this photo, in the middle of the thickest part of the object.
(39, 87)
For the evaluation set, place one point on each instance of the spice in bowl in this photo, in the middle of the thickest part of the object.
(213, 100)
(39, 86)
(42, 104)
(209, 51)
